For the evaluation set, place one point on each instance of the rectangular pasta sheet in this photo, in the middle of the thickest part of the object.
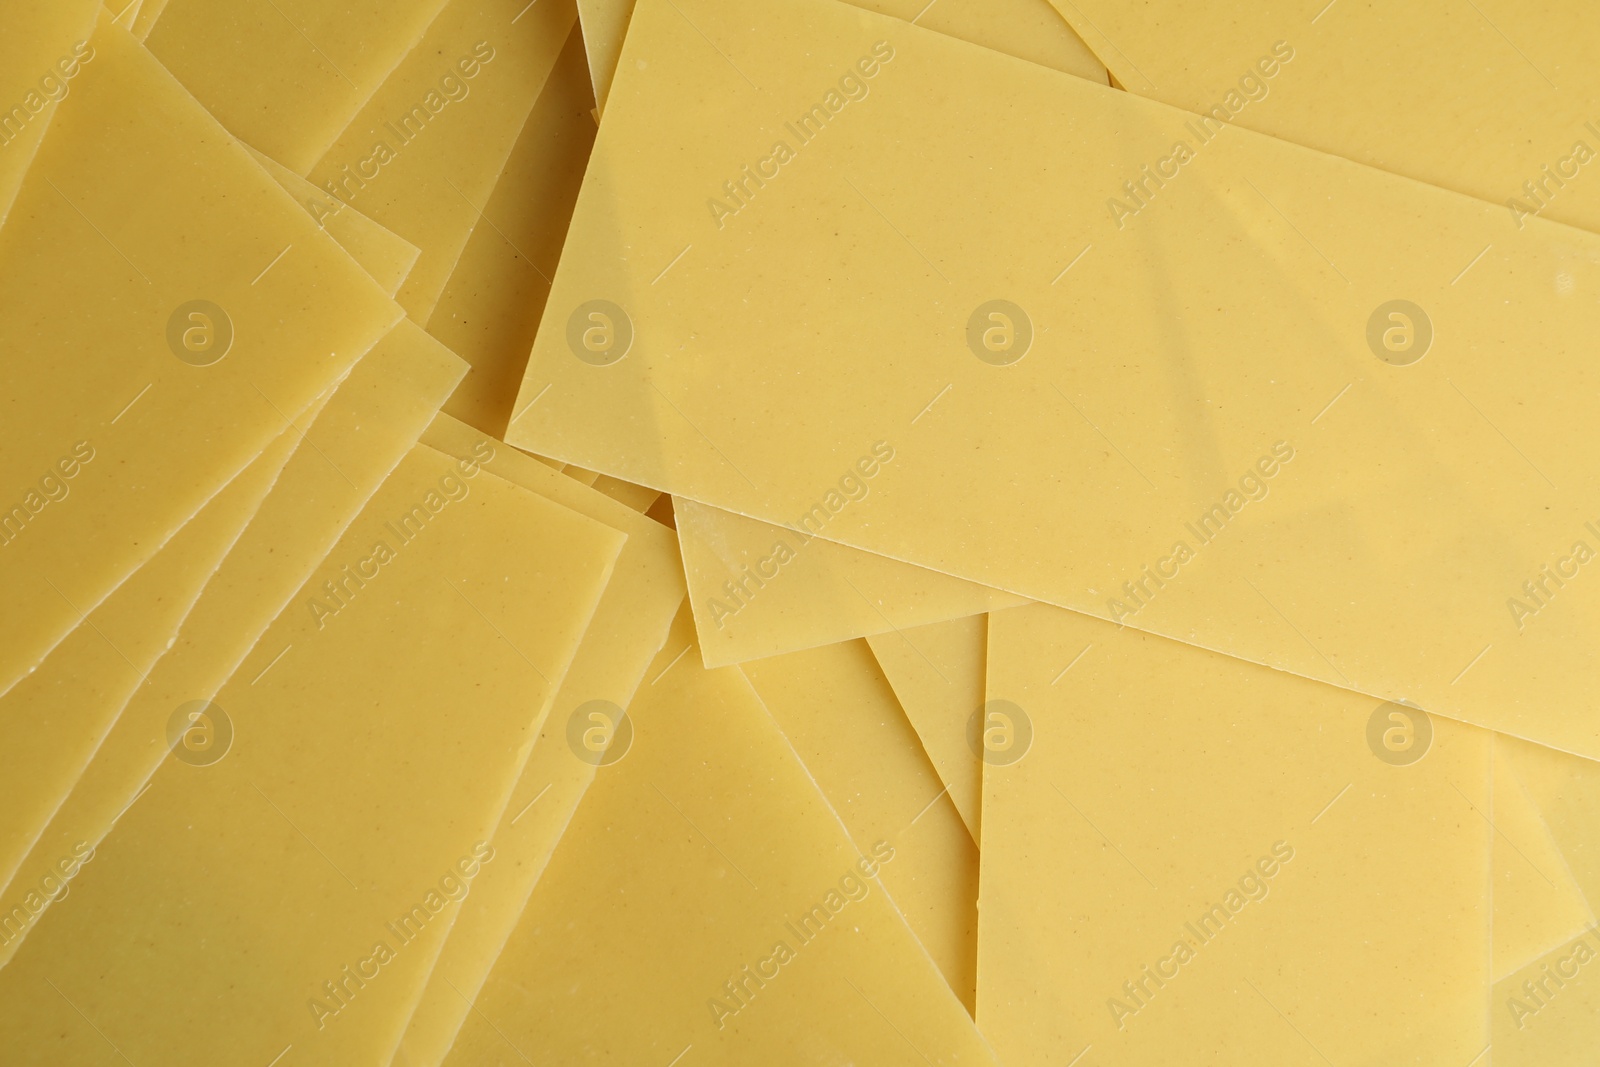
(1270, 416)
(422, 155)
(59, 715)
(289, 817)
(151, 255)
(630, 623)
(490, 308)
(1494, 107)
(1187, 858)
(369, 424)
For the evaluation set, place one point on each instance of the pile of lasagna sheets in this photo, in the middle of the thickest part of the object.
(722, 532)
